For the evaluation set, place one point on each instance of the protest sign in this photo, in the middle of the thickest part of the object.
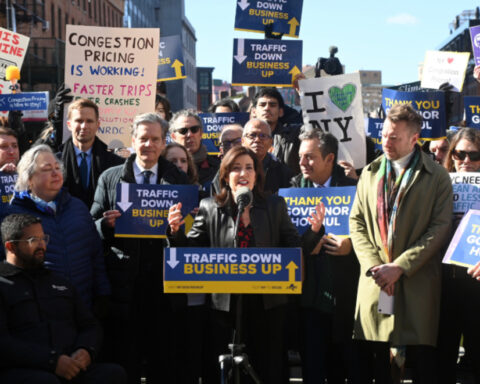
(475, 37)
(233, 270)
(374, 131)
(334, 104)
(464, 248)
(431, 105)
(338, 202)
(272, 63)
(25, 101)
(144, 208)
(7, 184)
(444, 67)
(213, 124)
(170, 59)
(466, 191)
(472, 111)
(113, 67)
(285, 16)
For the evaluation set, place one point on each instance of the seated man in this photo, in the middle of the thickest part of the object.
(47, 335)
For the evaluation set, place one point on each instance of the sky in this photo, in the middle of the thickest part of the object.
(390, 36)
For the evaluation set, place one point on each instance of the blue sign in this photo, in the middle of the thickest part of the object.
(431, 105)
(273, 63)
(472, 111)
(301, 202)
(144, 208)
(233, 270)
(24, 101)
(213, 124)
(464, 248)
(7, 184)
(285, 15)
(170, 59)
(374, 131)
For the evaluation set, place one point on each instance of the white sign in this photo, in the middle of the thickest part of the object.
(466, 191)
(442, 67)
(117, 69)
(334, 104)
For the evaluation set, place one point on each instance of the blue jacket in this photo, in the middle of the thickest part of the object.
(75, 249)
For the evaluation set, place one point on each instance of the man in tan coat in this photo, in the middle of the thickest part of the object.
(399, 222)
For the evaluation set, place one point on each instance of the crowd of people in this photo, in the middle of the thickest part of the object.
(79, 304)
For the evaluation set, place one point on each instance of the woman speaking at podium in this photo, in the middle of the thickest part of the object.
(263, 222)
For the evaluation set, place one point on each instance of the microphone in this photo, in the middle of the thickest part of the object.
(243, 197)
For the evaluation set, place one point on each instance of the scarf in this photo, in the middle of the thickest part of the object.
(42, 205)
(200, 155)
(390, 192)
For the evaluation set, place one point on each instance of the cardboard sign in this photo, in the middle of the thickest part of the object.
(472, 111)
(475, 37)
(285, 15)
(464, 249)
(374, 131)
(466, 191)
(273, 63)
(114, 68)
(338, 202)
(170, 59)
(25, 101)
(213, 124)
(144, 208)
(444, 67)
(431, 105)
(334, 104)
(233, 270)
(7, 184)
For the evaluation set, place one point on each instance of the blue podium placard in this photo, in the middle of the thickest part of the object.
(170, 59)
(144, 208)
(233, 270)
(472, 111)
(374, 131)
(253, 16)
(213, 124)
(338, 202)
(431, 105)
(273, 63)
(464, 248)
(24, 101)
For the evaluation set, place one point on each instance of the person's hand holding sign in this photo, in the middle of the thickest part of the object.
(475, 271)
(109, 217)
(175, 219)
(476, 73)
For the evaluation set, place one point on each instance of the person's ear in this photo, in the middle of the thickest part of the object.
(10, 246)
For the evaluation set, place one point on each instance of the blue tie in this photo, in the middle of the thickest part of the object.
(84, 171)
(146, 176)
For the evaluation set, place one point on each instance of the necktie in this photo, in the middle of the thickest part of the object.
(84, 170)
(146, 176)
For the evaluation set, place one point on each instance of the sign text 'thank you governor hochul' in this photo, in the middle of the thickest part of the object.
(233, 270)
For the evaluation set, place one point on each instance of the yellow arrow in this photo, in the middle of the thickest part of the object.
(178, 68)
(291, 271)
(188, 222)
(294, 72)
(293, 26)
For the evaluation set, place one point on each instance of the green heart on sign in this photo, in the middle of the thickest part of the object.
(342, 98)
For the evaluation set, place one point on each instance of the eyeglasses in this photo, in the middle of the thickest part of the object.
(184, 130)
(461, 155)
(34, 241)
(227, 144)
(261, 136)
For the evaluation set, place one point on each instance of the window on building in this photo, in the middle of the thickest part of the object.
(73, 21)
(66, 20)
(104, 15)
(60, 29)
(90, 8)
(52, 21)
(203, 81)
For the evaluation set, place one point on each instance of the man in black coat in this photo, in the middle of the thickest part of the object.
(330, 286)
(140, 322)
(84, 155)
(47, 334)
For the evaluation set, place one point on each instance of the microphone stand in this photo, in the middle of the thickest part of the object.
(236, 361)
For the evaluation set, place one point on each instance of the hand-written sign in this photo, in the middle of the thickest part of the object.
(285, 15)
(334, 104)
(25, 101)
(431, 105)
(144, 208)
(374, 131)
(475, 37)
(472, 111)
(213, 124)
(444, 67)
(113, 67)
(466, 191)
(170, 59)
(233, 270)
(266, 62)
(464, 248)
(338, 202)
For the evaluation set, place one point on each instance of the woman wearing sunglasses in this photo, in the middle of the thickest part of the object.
(460, 311)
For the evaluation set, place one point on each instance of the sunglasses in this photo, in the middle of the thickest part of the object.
(193, 129)
(461, 155)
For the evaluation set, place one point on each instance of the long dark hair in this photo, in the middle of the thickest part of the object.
(225, 194)
(470, 134)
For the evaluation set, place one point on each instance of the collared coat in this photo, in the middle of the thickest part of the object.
(422, 227)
